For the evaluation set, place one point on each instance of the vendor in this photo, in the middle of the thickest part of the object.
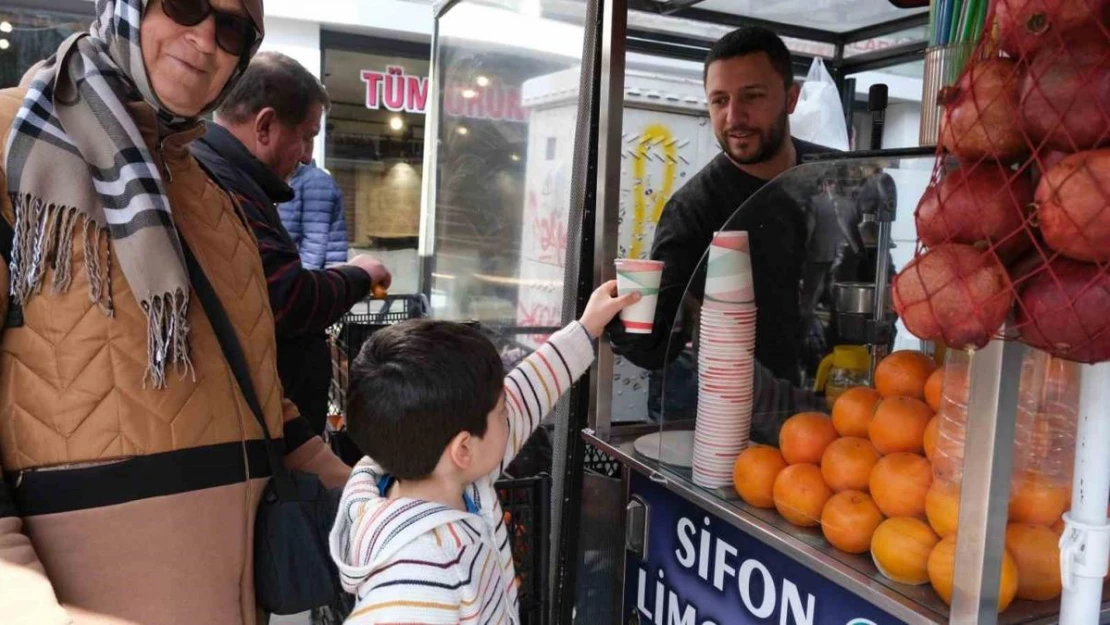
(749, 83)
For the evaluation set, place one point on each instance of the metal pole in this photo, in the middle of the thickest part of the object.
(1085, 545)
(614, 29)
(985, 492)
(427, 239)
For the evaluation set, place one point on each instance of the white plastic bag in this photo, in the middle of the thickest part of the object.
(819, 116)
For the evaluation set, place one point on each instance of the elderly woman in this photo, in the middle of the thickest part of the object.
(133, 464)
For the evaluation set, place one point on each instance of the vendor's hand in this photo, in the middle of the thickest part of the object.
(604, 304)
(379, 273)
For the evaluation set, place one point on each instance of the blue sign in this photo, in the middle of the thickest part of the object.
(701, 570)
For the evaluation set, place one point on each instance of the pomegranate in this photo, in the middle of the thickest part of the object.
(1028, 26)
(1043, 161)
(1065, 97)
(1064, 311)
(981, 204)
(953, 293)
(1073, 206)
(982, 113)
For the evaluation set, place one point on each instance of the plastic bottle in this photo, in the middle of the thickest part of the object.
(948, 458)
(1048, 409)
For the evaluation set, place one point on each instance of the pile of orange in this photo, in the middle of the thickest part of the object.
(865, 476)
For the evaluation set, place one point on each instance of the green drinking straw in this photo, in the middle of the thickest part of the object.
(970, 33)
(933, 6)
(980, 18)
(954, 21)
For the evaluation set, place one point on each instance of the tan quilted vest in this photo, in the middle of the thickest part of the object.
(71, 378)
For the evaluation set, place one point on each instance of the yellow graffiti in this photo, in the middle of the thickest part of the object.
(655, 134)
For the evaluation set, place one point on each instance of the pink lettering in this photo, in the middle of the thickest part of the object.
(416, 94)
(394, 89)
(453, 101)
(373, 87)
(475, 106)
(495, 103)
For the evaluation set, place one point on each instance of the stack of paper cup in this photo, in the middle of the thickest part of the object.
(642, 276)
(726, 360)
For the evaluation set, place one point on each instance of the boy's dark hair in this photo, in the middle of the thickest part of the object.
(752, 40)
(274, 80)
(415, 386)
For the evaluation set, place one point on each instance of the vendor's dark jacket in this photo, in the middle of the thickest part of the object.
(776, 227)
(305, 302)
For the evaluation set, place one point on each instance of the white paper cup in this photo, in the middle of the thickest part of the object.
(642, 276)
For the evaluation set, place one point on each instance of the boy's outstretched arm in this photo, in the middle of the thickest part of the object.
(534, 387)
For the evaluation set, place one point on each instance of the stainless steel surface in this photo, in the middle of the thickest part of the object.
(915, 605)
(882, 286)
(942, 67)
(985, 492)
(855, 298)
(606, 225)
(426, 240)
(637, 515)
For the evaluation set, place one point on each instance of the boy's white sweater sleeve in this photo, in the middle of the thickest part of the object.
(533, 388)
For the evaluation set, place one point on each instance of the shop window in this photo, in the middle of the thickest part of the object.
(375, 152)
(27, 37)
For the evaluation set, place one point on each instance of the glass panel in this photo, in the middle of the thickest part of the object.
(875, 44)
(508, 112)
(901, 129)
(27, 37)
(831, 15)
(709, 32)
(807, 232)
(375, 151)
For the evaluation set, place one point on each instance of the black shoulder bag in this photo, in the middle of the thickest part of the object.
(293, 570)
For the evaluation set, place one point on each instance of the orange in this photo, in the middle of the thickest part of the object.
(1037, 554)
(1058, 527)
(847, 463)
(904, 373)
(754, 473)
(899, 425)
(942, 508)
(942, 563)
(899, 483)
(805, 436)
(800, 494)
(849, 520)
(933, 386)
(852, 411)
(900, 548)
(929, 440)
(1036, 500)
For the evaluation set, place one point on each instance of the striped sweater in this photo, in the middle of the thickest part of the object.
(417, 562)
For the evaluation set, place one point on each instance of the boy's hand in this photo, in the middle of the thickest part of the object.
(604, 304)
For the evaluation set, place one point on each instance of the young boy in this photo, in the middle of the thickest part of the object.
(420, 537)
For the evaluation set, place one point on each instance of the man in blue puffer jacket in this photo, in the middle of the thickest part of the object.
(315, 219)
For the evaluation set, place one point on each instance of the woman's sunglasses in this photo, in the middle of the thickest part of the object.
(234, 34)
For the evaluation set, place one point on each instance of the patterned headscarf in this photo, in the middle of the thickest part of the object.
(77, 164)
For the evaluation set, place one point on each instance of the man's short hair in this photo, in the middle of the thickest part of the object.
(277, 81)
(752, 40)
(415, 386)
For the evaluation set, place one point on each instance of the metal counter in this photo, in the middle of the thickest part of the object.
(916, 605)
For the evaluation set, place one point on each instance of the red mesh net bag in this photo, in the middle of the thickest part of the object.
(1015, 223)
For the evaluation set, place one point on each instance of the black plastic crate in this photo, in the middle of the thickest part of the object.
(356, 327)
(526, 503)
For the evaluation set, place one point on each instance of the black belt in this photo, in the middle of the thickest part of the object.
(50, 491)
